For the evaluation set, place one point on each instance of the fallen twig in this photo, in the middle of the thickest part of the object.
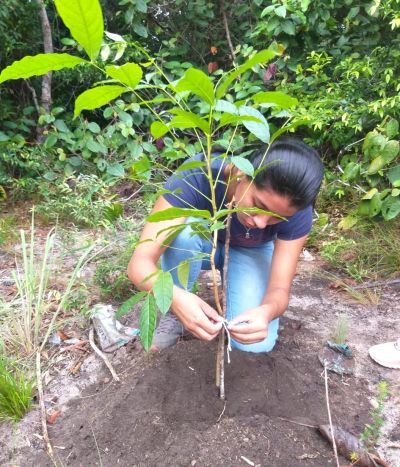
(100, 354)
(43, 414)
(297, 423)
(329, 416)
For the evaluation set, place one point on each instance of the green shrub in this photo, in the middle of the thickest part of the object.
(84, 200)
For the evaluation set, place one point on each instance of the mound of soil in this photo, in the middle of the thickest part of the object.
(168, 413)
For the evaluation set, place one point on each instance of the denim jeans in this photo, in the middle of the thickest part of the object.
(248, 274)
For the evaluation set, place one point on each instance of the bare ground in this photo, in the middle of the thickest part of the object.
(165, 410)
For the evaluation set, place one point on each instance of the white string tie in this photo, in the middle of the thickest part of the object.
(228, 347)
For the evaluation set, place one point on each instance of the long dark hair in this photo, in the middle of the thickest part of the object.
(290, 168)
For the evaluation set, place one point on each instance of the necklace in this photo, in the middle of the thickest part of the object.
(248, 235)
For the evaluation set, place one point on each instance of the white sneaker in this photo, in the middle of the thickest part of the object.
(387, 354)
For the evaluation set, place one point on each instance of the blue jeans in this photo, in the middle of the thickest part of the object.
(248, 275)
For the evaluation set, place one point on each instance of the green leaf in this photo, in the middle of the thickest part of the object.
(370, 194)
(370, 207)
(97, 97)
(390, 150)
(140, 30)
(3, 137)
(39, 65)
(158, 129)
(127, 306)
(176, 213)
(260, 130)
(377, 164)
(84, 19)
(129, 74)
(162, 290)
(226, 106)
(186, 119)
(260, 57)
(94, 127)
(373, 144)
(392, 128)
(348, 222)
(190, 165)
(198, 83)
(289, 28)
(229, 119)
(279, 99)
(183, 273)
(280, 11)
(51, 140)
(243, 165)
(394, 176)
(225, 212)
(147, 324)
(116, 170)
(391, 207)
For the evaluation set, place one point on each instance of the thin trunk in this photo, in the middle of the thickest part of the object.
(227, 32)
(45, 101)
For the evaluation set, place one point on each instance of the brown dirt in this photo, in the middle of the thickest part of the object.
(165, 410)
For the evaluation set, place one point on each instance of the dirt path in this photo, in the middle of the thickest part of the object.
(165, 411)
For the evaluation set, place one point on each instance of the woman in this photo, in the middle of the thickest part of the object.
(264, 249)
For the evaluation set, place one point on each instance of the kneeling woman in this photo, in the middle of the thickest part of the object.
(263, 253)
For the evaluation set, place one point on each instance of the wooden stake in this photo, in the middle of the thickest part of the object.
(101, 354)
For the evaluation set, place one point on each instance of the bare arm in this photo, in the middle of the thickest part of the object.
(194, 313)
(276, 299)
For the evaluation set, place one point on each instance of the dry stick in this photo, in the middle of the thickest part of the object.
(329, 416)
(46, 438)
(100, 354)
(228, 34)
(221, 343)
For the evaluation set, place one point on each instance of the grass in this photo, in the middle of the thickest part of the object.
(15, 392)
(341, 330)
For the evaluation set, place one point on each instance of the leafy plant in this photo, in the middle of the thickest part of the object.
(372, 431)
(84, 200)
(15, 392)
(341, 330)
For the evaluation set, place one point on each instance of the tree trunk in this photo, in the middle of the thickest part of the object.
(45, 101)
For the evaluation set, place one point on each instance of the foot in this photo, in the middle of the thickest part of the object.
(387, 354)
(168, 332)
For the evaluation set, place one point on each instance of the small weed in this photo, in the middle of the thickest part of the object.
(7, 229)
(372, 431)
(15, 392)
(341, 330)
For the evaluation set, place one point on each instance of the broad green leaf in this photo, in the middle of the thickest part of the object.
(229, 119)
(260, 130)
(225, 212)
(390, 151)
(176, 213)
(370, 207)
(370, 194)
(392, 128)
(147, 324)
(94, 127)
(39, 65)
(186, 119)
(226, 106)
(190, 165)
(394, 176)
(84, 19)
(183, 273)
(128, 305)
(97, 97)
(116, 170)
(280, 99)
(198, 83)
(162, 290)
(289, 28)
(391, 207)
(373, 144)
(377, 164)
(158, 129)
(129, 74)
(243, 165)
(260, 57)
(281, 11)
(287, 128)
(348, 222)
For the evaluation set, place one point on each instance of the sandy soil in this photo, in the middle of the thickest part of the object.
(165, 411)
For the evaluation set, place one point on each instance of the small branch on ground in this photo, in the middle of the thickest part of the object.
(101, 355)
(43, 414)
(329, 416)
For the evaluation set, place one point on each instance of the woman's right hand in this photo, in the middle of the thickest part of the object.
(196, 315)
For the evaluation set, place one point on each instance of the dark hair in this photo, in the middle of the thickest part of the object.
(291, 168)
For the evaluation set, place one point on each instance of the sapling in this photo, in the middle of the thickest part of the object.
(171, 104)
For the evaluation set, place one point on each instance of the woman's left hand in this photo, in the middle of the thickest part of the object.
(251, 326)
